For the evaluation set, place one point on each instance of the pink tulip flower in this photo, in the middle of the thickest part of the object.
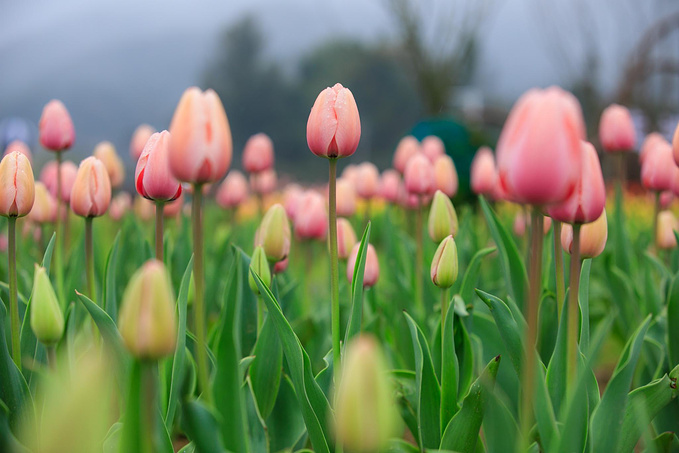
(48, 175)
(649, 143)
(368, 181)
(258, 154)
(152, 177)
(91, 194)
(18, 145)
(593, 237)
(432, 147)
(445, 175)
(264, 182)
(106, 153)
(56, 127)
(334, 126)
(419, 176)
(389, 185)
(311, 219)
(483, 173)
(139, 138)
(616, 129)
(233, 190)
(659, 172)
(406, 148)
(17, 186)
(372, 266)
(346, 198)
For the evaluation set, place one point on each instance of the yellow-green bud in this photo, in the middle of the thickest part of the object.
(47, 320)
(444, 264)
(148, 322)
(260, 266)
(442, 217)
(366, 415)
(273, 234)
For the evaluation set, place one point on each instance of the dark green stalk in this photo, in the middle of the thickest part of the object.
(13, 292)
(159, 230)
(198, 280)
(573, 309)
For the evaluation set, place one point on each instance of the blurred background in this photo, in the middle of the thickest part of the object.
(449, 67)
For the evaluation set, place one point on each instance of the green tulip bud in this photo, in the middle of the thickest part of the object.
(442, 217)
(273, 234)
(148, 321)
(366, 415)
(260, 266)
(47, 320)
(444, 264)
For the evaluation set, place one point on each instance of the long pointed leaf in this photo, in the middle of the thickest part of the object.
(354, 325)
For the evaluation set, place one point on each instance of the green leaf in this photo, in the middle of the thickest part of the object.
(313, 403)
(7, 440)
(673, 321)
(401, 446)
(471, 276)
(557, 370)
(354, 324)
(542, 405)
(509, 330)
(623, 250)
(285, 424)
(606, 425)
(462, 433)
(107, 328)
(499, 425)
(428, 389)
(583, 296)
(201, 427)
(266, 368)
(665, 443)
(449, 371)
(110, 302)
(574, 431)
(465, 357)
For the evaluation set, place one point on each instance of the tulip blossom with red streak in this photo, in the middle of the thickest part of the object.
(334, 125)
(152, 177)
(91, 194)
(17, 186)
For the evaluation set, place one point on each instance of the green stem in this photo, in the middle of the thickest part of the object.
(419, 260)
(13, 292)
(260, 314)
(573, 309)
(558, 264)
(444, 306)
(148, 396)
(52, 357)
(89, 259)
(199, 303)
(528, 369)
(159, 230)
(59, 244)
(656, 211)
(334, 269)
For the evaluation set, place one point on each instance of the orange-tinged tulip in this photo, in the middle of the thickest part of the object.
(445, 175)
(616, 129)
(659, 172)
(389, 185)
(311, 219)
(106, 153)
(419, 176)
(48, 175)
(538, 153)
(56, 127)
(593, 237)
(233, 190)
(91, 194)
(152, 177)
(372, 265)
(200, 143)
(432, 147)
(368, 181)
(264, 182)
(346, 238)
(17, 186)
(139, 138)
(406, 148)
(258, 153)
(483, 173)
(18, 145)
(334, 126)
(346, 198)
(667, 225)
(44, 207)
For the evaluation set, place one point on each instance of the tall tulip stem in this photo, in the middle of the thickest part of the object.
(419, 259)
(59, 245)
(13, 292)
(334, 269)
(89, 259)
(558, 264)
(656, 211)
(159, 230)
(198, 279)
(573, 308)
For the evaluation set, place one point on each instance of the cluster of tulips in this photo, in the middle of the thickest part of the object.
(212, 349)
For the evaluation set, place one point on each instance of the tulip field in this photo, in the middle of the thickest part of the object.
(214, 310)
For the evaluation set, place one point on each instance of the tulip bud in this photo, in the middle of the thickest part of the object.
(433, 148)
(442, 218)
(17, 187)
(147, 319)
(48, 175)
(260, 266)
(18, 145)
(292, 197)
(280, 266)
(56, 127)
(659, 172)
(106, 153)
(350, 173)
(419, 176)
(334, 126)
(264, 182)
(311, 219)
(649, 143)
(483, 173)
(372, 266)
(593, 237)
(667, 225)
(200, 144)
(139, 138)
(406, 148)
(47, 321)
(445, 175)
(91, 193)
(368, 181)
(274, 233)
(258, 154)
(539, 151)
(44, 207)
(152, 177)
(120, 204)
(346, 198)
(616, 129)
(366, 415)
(389, 185)
(346, 238)
(444, 264)
(233, 190)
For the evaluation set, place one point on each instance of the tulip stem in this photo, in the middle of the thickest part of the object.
(444, 312)
(573, 308)
(148, 396)
(558, 264)
(656, 211)
(419, 260)
(52, 357)
(334, 269)
(13, 292)
(199, 315)
(89, 259)
(528, 368)
(59, 245)
(159, 230)
(260, 314)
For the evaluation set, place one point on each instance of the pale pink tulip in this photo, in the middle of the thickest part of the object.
(419, 176)
(174, 207)
(56, 127)
(350, 173)
(18, 145)
(48, 175)
(445, 175)
(667, 225)
(91, 193)
(258, 153)
(346, 198)
(120, 204)
(45, 205)
(152, 177)
(233, 190)
(659, 172)
(264, 182)
(616, 129)
(666, 199)
(291, 198)
(311, 219)
(334, 126)
(432, 147)
(389, 185)
(406, 148)
(17, 186)
(346, 238)
(483, 173)
(372, 266)
(649, 143)
(139, 138)
(106, 153)
(368, 181)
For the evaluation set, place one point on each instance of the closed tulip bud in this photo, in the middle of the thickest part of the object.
(264, 182)
(346, 198)
(147, 319)
(539, 151)
(649, 143)
(389, 185)
(311, 220)
(17, 187)
(152, 177)
(616, 129)
(200, 143)
(91, 192)
(293, 195)
(18, 145)
(48, 175)
(432, 147)
(368, 181)
(593, 237)
(659, 172)
(334, 126)
(280, 266)
(120, 204)
(406, 148)
(419, 176)
(589, 198)
(260, 266)
(442, 218)
(346, 238)
(56, 127)
(274, 233)
(233, 190)
(366, 415)
(139, 138)
(445, 175)
(44, 207)
(372, 266)
(258, 153)
(667, 225)
(174, 208)
(444, 265)
(483, 173)
(106, 153)
(47, 321)
(350, 173)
